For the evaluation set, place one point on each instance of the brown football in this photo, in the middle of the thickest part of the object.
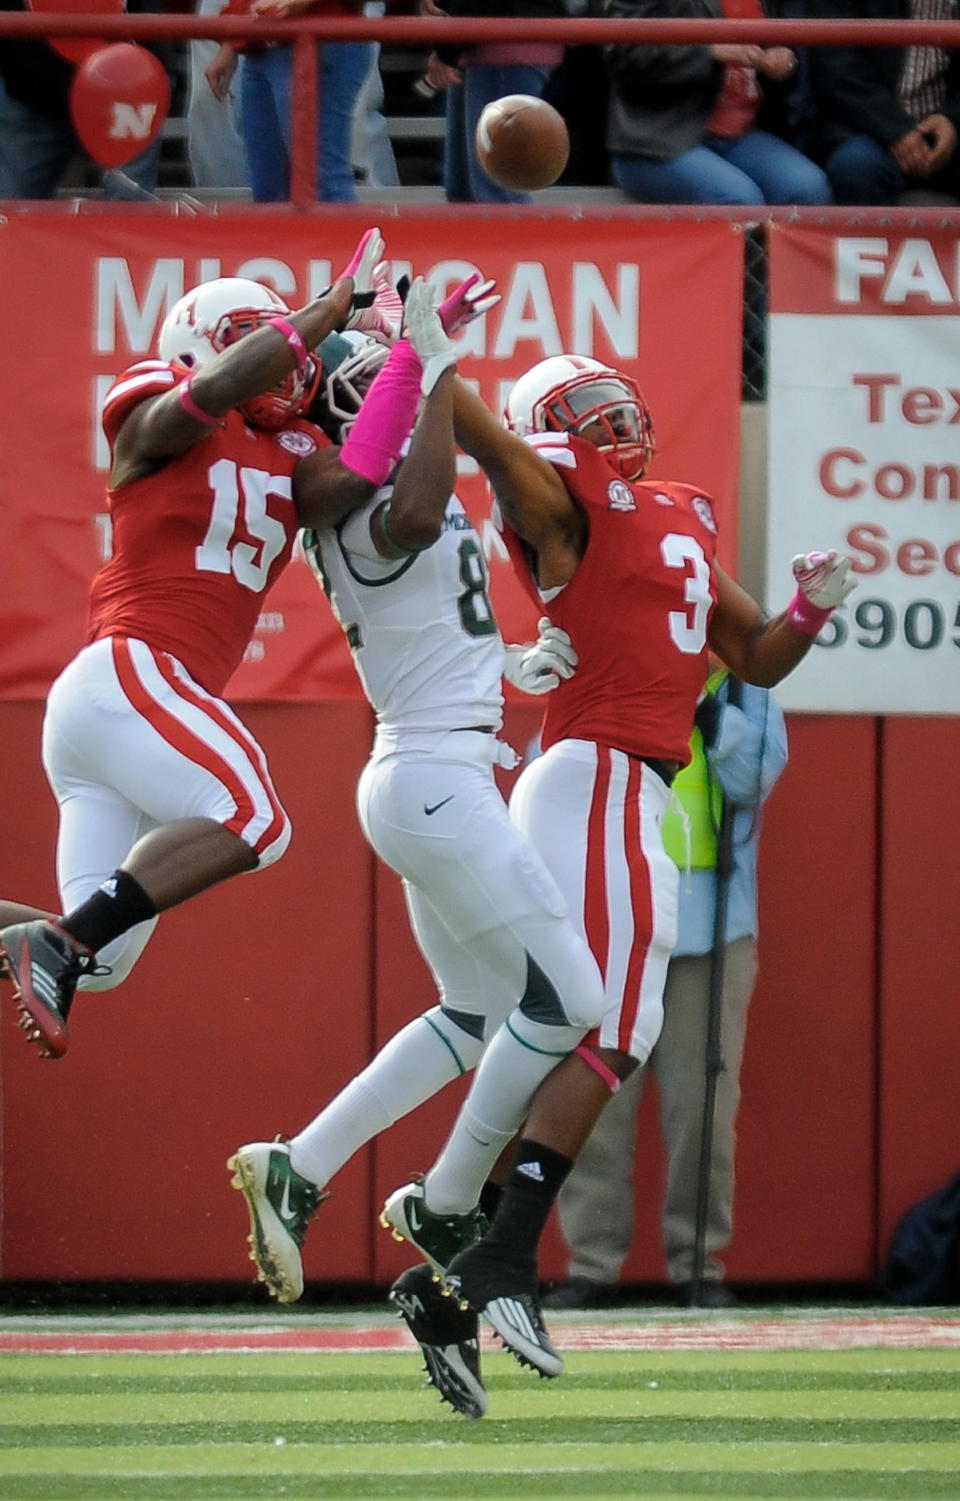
(522, 143)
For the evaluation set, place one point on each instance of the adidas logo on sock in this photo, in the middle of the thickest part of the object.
(109, 886)
(531, 1170)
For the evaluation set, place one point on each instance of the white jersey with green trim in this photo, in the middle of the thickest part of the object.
(421, 629)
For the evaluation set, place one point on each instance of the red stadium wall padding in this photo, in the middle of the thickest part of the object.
(249, 1008)
(806, 1160)
(258, 1000)
(804, 1208)
(919, 1134)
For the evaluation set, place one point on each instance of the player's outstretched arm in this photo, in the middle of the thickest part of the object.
(326, 493)
(166, 425)
(532, 497)
(764, 651)
(412, 519)
(163, 426)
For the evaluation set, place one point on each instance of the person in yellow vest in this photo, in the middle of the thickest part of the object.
(739, 748)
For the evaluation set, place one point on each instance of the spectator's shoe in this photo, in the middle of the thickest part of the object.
(506, 1294)
(447, 1335)
(581, 1292)
(438, 1237)
(706, 1294)
(281, 1204)
(44, 965)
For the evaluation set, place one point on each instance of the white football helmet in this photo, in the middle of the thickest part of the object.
(214, 315)
(571, 393)
(349, 362)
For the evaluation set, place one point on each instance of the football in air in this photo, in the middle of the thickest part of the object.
(522, 143)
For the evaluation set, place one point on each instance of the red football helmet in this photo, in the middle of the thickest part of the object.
(571, 393)
(215, 315)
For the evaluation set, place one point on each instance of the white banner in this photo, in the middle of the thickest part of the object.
(864, 457)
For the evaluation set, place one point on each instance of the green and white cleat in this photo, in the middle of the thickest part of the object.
(281, 1204)
(438, 1237)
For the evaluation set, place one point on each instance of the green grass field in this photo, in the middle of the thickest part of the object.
(726, 1424)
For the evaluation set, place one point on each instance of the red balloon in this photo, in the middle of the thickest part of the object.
(119, 98)
(76, 49)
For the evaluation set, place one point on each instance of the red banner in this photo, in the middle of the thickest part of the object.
(86, 296)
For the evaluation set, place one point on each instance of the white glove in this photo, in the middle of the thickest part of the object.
(422, 326)
(469, 300)
(540, 667)
(822, 578)
(362, 267)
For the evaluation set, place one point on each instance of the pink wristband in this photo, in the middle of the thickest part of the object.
(294, 339)
(192, 410)
(599, 1067)
(806, 616)
(375, 442)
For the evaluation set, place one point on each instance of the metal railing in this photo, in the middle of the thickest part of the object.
(306, 33)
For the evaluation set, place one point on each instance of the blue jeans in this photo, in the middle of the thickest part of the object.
(36, 150)
(464, 180)
(755, 168)
(863, 171)
(266, 88)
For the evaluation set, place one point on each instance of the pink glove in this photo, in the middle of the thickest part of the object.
(466, 302)
(384, 319)
(361, 268)
(365, 258)
(823, 584)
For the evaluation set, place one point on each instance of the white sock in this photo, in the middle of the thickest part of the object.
(418, 1061)
(520, 1056)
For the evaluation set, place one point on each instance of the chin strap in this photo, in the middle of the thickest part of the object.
(375, 442)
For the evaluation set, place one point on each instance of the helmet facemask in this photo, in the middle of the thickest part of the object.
(291, 398)
(350, 364)
(613, 404)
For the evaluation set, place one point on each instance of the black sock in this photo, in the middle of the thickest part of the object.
(526, 1200)
(115, 908)
(490, 1196)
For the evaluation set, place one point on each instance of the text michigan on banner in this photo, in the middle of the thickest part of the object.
(662, 301)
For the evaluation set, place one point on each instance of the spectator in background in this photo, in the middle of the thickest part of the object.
(888, 116)
(579, 89)
(266, 93)
(371, 147)
(473, 76)
(214, 143)
(739, 750)
(688, 123)
(37, 139)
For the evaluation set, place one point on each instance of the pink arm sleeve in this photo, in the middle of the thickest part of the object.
(375, 442)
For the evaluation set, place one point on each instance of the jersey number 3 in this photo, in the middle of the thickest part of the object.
(241, 495)
(688, 627)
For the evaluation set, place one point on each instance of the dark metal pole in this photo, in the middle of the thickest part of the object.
(713, 1062)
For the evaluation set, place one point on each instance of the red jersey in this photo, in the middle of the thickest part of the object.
(197, 544)
(636, 609)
